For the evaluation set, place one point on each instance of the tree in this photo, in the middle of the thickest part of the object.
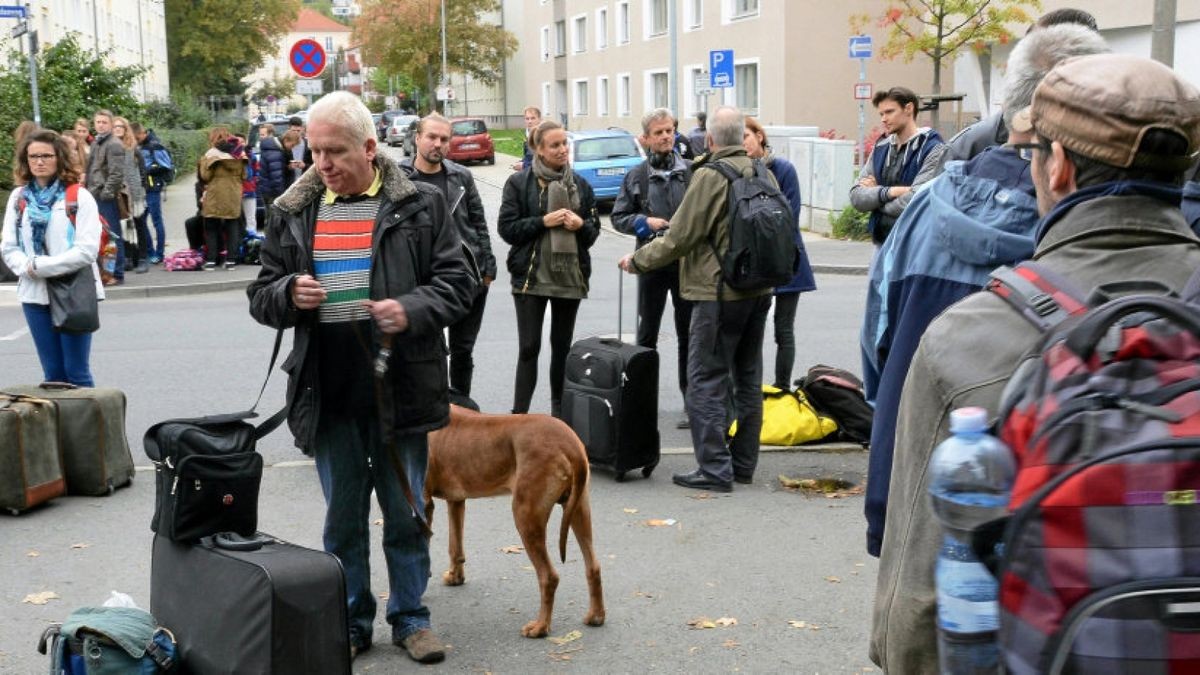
(404, 37)
(213, 44)
(941, 29)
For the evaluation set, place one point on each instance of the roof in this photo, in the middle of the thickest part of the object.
(312, 21)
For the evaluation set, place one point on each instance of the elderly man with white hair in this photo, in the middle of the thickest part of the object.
(367, 268)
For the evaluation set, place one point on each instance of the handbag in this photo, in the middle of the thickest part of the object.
(839, 394)
(789, 419)
(109, 641)
(124, 205)
(74, 306)
(208, 470)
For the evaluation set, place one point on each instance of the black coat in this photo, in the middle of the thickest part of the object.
(272, 168)
(466, 210)
(412, 227)
(520, 225)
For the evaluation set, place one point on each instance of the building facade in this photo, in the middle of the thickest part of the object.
(133, 32)
(602, 63)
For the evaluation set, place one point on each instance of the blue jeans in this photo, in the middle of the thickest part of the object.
(64, 356)
(351, 462)
(111, 213)
(154, 210)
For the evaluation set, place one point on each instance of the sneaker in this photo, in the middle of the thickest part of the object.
(142, 267)
(229, 266)
(156, 260)
(422, 646)
(683, 423)
(210, 266)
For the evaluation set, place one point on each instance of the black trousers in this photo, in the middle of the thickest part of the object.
(462, 337)
(653, 288)
(531, 312)
(218, 231)
(785, 338)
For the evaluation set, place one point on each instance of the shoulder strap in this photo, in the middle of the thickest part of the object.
(731, 174)
(1039, 294)
(272, 422)
(72, 201)
(644, 180)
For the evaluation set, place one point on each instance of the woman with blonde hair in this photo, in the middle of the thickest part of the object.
(76, 151)
(135, 188)
(222, 168)
(41, 241)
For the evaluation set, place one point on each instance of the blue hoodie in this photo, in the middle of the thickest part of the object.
(976, 216)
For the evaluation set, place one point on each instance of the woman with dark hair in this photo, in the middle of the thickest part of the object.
(786, 297)
(222, 169)
(41, 240)
(548, 217)
(290, 140)
(135, 188)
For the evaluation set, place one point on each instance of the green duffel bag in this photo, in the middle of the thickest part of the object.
(91, 435)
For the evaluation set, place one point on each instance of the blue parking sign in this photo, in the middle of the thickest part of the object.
(720, 68)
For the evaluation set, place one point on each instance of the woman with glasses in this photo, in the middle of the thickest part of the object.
(42, 240)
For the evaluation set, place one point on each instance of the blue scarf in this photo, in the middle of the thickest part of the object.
(39, 201)
(1170, 194)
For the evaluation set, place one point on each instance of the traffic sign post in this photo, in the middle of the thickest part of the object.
(720, 68)
(307, 58)
(862, 49)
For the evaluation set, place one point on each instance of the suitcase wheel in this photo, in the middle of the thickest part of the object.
(648, 469)
(619, 477)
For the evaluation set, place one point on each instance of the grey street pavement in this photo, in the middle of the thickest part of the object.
(790, 568)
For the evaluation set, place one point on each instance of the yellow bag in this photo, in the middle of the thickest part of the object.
(789, 419)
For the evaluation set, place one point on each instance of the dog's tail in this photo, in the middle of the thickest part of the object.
(579, 470)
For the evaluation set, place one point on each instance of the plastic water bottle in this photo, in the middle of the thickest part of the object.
(971, 476)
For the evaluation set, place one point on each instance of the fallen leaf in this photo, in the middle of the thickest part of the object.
(731, 644)
(384, 595)
(701, 495)
(859, 565)
(693, 650)
(798, 624)
(642, 594)
(833, 580)
(701, 623)
(41, 598)
(512, 549)
(569, 637)
(831, 488)
(81, 545)
(726, 621)
(655, 522)
(630, 510)
(33, 554)
(379, 522)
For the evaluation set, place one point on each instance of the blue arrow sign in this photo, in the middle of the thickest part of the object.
(720, 68)
(12, 12)
(860, 47)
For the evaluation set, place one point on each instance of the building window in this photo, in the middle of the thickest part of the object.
(328, 45)
(656, 18)
(622, 23)
(694, 10)
(602, 96)
(545, 43)
(602, 28)
(696, 103)
(546, 99)
(623, 94)
(580, 33)
(745, 84)
(560, 38)
(658, 89)
(581, 98)
(744, 8)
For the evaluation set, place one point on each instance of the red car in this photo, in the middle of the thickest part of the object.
(470, 141)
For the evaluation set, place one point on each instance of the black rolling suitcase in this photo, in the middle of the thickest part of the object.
(251, 605)
(610, 399)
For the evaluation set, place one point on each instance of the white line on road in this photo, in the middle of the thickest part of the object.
(14, 335)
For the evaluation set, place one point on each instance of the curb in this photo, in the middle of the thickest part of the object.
(168, 290)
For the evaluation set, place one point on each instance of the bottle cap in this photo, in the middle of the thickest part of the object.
(968, 420)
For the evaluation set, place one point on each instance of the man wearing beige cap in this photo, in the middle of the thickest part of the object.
(1112, 135)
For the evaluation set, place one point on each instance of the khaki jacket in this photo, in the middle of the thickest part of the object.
(965, 358)
(702, 216)
(223, 174)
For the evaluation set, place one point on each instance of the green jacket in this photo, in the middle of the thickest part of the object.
(703, 216)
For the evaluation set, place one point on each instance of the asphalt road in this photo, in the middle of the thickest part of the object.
(764, 556)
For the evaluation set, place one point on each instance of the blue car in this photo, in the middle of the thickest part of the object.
(602, 158)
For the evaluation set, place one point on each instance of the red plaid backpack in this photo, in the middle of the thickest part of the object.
(1100, 566)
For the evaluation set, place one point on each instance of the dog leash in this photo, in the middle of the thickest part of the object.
(383, 403)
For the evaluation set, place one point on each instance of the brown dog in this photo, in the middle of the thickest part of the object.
(539, 461)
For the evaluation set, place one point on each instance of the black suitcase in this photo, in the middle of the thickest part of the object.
(610, 399)
(251, 605)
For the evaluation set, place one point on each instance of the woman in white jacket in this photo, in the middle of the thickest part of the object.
(40, 241)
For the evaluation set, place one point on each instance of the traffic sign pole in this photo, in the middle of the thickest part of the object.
(861, 49)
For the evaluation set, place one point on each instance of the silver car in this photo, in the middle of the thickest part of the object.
(399, 129)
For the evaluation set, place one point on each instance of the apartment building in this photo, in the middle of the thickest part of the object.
(602, 63)
(132, 31)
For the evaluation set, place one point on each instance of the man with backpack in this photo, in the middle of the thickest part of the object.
(1112, 135)
(730, 302)
(160, 171)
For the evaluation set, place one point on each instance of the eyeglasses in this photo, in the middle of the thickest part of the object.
(118, 126)
(38, 159)
(1025, 150)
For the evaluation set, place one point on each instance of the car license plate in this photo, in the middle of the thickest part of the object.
(469, 146)
(611, 172)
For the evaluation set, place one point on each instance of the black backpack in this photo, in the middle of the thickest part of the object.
(762, 232)
(839, 394)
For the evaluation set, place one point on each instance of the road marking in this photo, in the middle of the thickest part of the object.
(14, 335)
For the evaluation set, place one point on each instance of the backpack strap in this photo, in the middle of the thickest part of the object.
(730, 174)
(1191, 290)
(644, 182)
(1039, 294)
(72, 201)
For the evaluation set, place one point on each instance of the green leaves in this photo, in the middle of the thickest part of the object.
(213, 44)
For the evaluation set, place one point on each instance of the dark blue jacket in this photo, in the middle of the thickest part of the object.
(1191, 205)
(973, 218)
(273, 168)
(789, 184)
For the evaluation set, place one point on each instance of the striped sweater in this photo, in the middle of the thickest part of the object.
(342, 257)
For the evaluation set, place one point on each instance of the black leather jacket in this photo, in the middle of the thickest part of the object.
(466, 210)
(665, 196)
(520, 224)
(416, 259)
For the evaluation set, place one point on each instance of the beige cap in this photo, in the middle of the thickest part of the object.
(1101, 106)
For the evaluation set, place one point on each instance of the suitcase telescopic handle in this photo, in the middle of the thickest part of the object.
(232, 541)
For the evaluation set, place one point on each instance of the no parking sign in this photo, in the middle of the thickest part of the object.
(307, 58)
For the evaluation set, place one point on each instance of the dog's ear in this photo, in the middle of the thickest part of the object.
(462, 400)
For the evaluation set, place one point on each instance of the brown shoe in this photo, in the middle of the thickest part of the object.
(423, 647)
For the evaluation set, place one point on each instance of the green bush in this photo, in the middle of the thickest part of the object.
(180, 112)
(186, 146)
(509, 141)
(850, 224)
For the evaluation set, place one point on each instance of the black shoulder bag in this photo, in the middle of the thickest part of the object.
(208, 470)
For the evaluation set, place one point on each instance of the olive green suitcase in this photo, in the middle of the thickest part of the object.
(91, 434)
(30, 463)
